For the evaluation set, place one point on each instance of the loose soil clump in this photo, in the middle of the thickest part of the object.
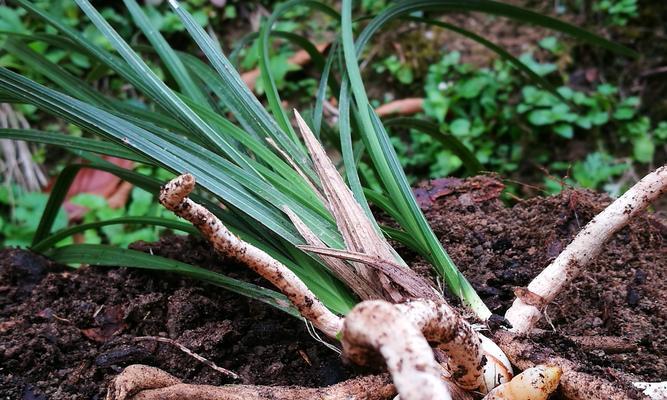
(65, 333)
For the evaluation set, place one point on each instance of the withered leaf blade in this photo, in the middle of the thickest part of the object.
(409, 280)
(340, 268)
(357, 230)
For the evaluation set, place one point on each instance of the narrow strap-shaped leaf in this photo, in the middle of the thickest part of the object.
(270, 88)
(298, 40)
(450, 142)
(406, 7)
(260, 150)
(167, 54)
(404, 238)
(163, 93)
(40, 64)
(80, 89)
(73, 142)
(349, 160)
(104, 255)
(56, 237)
(456, 282)
(240, 100)
(384, 204)
(320, 97)
(58, 193)
(167, 153)
(393, 177)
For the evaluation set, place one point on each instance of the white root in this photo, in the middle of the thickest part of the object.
(654, 390)
(141, 382)
(526, 311)
(173, 197)
(401, 334)
(376, 326)
(535, 383)
(497, 369)
(440, 324)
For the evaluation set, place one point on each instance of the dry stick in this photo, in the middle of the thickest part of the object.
(192, 354)
(173, 197)
(525, 313)
(140, 382)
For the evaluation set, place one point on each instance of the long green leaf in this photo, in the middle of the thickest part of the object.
(270, 88)
(167, 54)
(56, 237)
(112, 256)
(73, 142)
(443, 264)
(393, 177)
(298, 40)
(55, 73)
(163, 93)
(406, 7)
(240, 100)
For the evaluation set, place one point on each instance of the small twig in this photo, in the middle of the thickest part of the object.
(191, 353)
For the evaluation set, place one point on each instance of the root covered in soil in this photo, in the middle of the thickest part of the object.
(141, 382)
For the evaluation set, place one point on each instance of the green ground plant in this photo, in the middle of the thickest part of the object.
(617, 12)
(505, 121)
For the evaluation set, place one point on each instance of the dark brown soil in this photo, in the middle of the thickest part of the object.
(64, 333)
(613, 317)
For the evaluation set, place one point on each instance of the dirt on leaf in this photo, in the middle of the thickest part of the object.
(65, 333)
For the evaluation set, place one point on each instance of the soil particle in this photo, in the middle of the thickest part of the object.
(64, 333)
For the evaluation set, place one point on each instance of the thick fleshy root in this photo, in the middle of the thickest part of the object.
(527, 310)
(440, 324)
(574, 384)
(535, 383)
(400, 335)
(174, 197)
(140, 382)
(497, 369)
(654, 390)
(378, 327)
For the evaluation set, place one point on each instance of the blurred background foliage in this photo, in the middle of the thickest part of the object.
(607, 127)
